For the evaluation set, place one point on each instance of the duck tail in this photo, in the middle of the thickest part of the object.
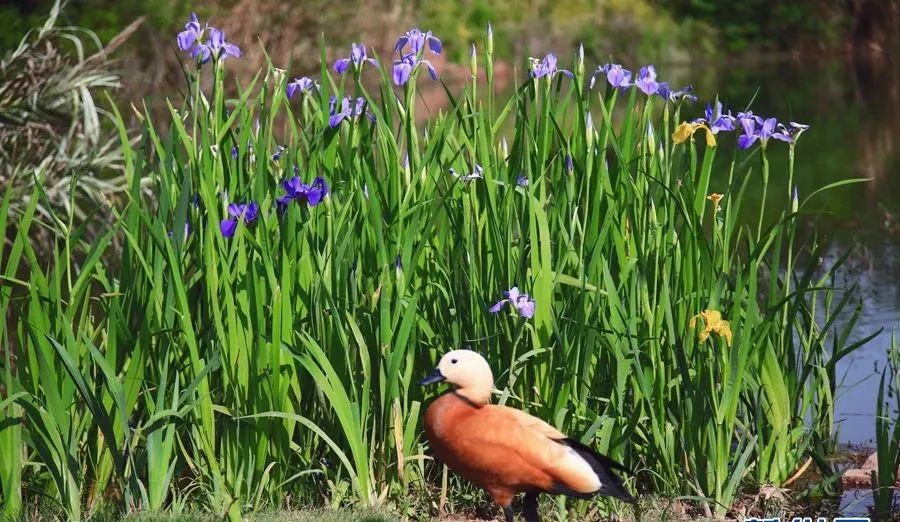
(611, 484)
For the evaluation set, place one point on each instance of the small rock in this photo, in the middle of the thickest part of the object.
(871, 462)
(857, 479)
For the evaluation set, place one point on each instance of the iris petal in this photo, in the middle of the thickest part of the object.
(402, 71)
(435, 45)
(232, 50)
(341, 65)
(497, 307)
(228, 227)
(186, 39)
(336, 120)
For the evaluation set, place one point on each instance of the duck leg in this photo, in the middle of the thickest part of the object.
(531, 508)
(503, 498)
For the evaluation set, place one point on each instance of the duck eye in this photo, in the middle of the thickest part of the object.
(453, 361)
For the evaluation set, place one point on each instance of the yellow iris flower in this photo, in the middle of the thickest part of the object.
(712, 323)
(715, 198)
(686, 129)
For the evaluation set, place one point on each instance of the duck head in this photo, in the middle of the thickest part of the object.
(468, 372)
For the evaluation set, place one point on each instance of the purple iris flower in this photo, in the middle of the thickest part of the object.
(547, 67)
(663, 90)
(317, 192)
(248, 211)
(570, 165)
(192, 30)
(234, 152)
(767, 129)
(416, 40)
(646, 80)
(521, 302)
(404, 67)
(301, 85)
(228, 227)
(522, 180)
(238, 212)
(617, 76)
(282, 202)
(296, 190)
(783, 134)
(358, 57)
(755, 128)
(749, 136)
(279, 152)
(685, 93)
(215, 46)
(790, 133)
(348, 110)
(717, 119)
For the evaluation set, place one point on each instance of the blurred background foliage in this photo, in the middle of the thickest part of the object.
(666, 30)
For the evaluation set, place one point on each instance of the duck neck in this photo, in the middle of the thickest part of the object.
(477, 395)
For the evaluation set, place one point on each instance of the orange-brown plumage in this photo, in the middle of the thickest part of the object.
(504, 450)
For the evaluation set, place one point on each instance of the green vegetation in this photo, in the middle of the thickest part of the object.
(52, 131)
(887, 437)
(161, 367)
(104, 18)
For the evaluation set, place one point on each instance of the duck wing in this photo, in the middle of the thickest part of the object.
(513, 447)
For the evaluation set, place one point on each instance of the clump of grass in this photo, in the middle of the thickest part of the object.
(887, 437)
(53, 131)
(304, 260)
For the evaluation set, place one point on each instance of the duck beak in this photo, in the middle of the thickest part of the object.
(436, 376)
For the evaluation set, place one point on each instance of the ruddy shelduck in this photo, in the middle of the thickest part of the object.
(507, 451)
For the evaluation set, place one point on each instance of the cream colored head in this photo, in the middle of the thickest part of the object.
(468, 372)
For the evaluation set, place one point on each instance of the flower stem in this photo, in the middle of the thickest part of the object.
(765, 189)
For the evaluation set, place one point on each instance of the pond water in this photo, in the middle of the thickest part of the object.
(853, 107)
